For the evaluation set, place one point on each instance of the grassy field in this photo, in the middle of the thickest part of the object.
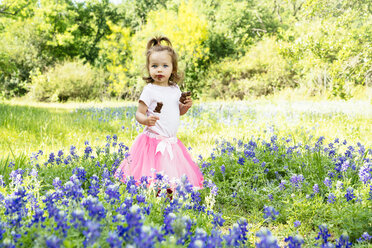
(287, 166)
(29, 127)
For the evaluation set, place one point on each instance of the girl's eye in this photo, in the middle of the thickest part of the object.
(154, 66)
(165, 66)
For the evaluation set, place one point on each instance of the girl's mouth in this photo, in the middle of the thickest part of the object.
(160, 76)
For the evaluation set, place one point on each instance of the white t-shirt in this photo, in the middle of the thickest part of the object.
(169, 117)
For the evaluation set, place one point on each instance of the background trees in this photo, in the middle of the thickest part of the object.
(227, 49)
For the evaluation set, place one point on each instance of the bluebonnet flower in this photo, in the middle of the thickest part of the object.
(316, 189)
(61, 220)
(73, 151)
(255, 160)
(331, 198)
(88, 150)
(270, 196)
(266, 239)
(2, 229)
(241, 160)
(131, 185)
(113, 240)
(282, 185)
(297, 180)
(223, 169)
(294, 242)
(92, 233)
(343, 242)
(51, 158)
(327, 182)
(94, 186)
(78, 218)
(80, 173)
(53, 242)
(73, 188)
(112, 193)
(270, 212)
(217, 220)
(370, 193)
(15, 206)
(133, 219)
(345, 165)
(365, 173)
(199, 239)
(297, 223)
(94, 207)
(140, 198)
(349, 194)
(323, 233)
(365, 237)
(17, 177)
(38, 217)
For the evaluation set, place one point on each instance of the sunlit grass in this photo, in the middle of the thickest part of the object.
(29, 127)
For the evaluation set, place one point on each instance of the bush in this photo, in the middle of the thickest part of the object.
(71, 80)
(261, 71)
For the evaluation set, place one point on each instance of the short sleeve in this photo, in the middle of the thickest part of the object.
(146, 96)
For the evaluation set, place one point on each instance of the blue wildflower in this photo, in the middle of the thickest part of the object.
(266, 239)
(53, 242)
(113, 240)
(316, 189)
(349, 194)
(92, 233)
(294, 242)
(323, 233)
(297, 223)
(343, 242)
(270, 212)
(327, 182)
(331, 198)
(241, 160)
(365, 173)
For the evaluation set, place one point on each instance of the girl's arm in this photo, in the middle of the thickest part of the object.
(185, 107)
(141, 116)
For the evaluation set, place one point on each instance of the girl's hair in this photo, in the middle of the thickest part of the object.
(154, 45)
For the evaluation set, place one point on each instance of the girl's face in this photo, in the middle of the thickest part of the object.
(160, 67)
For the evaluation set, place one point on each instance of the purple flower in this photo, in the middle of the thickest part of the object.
(223, 169)
(331, 198)
(114, 240)
(241, 160)
(327, 182)
(270, 212)
(297, 180)
(316, 189)
(94, 186)
(323, 233)
(365, 173)
(112, 193)
(349, 194)
(294, 242)
(343, 242)
(217, 220)
(266, 239)
(92, 233)
(80, 173)
(297, 223)
(365, 237)
(282, 185)
(53, 242)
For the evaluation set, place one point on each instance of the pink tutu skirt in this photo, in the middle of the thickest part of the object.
(153, 153)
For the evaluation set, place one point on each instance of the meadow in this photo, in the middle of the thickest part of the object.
(277, 173)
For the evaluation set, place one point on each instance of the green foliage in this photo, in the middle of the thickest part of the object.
(260, 72)
(69, 80)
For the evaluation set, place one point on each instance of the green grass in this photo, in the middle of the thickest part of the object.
(27, 128)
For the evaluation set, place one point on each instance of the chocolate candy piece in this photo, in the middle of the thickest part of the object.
(159, 105)
(184, 95)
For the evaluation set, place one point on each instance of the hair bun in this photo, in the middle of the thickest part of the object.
(156, 41)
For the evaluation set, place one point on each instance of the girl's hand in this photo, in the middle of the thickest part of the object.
(188, 102)
(151, 120)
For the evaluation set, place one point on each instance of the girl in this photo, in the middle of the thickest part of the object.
(158, 147)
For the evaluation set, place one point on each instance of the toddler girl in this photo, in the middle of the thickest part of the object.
(158, 147)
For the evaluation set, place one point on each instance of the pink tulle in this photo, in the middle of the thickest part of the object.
(142, 159)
